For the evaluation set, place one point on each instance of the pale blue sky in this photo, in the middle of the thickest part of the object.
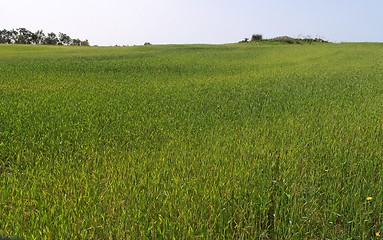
(128, 22)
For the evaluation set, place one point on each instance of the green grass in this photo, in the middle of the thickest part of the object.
(237, 141)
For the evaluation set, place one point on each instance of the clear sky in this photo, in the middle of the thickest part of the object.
(128, 22)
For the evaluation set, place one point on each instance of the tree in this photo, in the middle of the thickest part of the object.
(3, 36)
(51, 39)
(85, 43)
(76, 42)
(24, 36)
(64, 39)
(12, 36)
(39, 37)
(256, 38)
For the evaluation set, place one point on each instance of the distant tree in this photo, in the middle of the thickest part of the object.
(39, 37)
(76, 42)
(147, 44)
(24, 36)
(12, 36)
(256, 37)
(3, 36)
(51, 39)
(85, 43)
(64, 39)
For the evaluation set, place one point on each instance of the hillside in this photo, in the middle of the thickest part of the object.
(191, 141)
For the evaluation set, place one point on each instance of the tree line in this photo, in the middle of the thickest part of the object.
(283, 39)
(24, 36)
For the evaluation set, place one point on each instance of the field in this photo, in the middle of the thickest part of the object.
(237, 141)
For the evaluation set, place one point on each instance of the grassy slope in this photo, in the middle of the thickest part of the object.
(210, 141)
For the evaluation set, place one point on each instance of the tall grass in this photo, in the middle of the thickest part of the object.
(191, 141)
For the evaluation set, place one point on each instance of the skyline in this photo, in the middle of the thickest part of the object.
(118, 22)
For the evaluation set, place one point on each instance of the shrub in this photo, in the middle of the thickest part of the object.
(256, 37)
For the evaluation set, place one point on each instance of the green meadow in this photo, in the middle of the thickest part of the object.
(237, 141)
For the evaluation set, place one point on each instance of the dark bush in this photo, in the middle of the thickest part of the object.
(256, 37)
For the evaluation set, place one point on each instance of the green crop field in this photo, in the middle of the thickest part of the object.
(237, 141)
